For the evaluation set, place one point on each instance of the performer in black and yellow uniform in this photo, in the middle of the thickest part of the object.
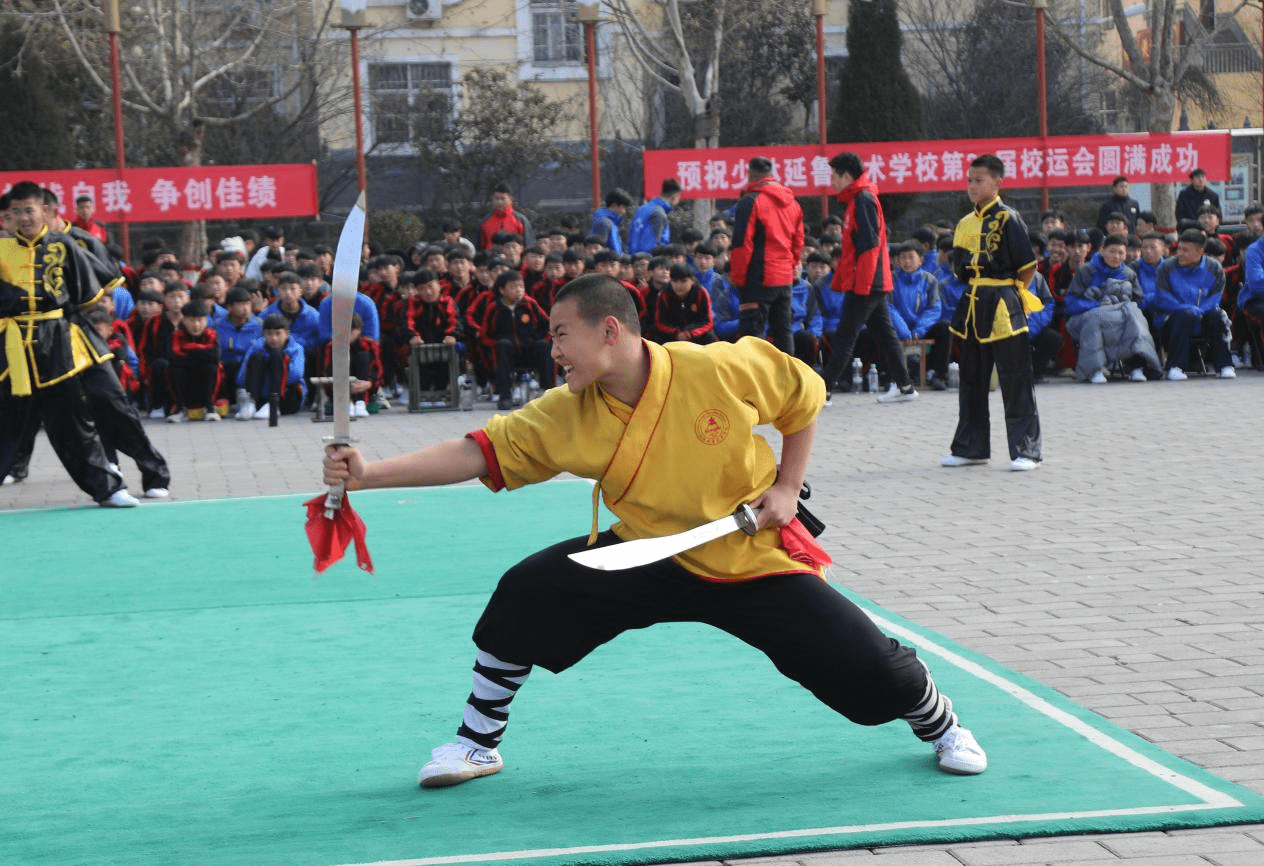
(992, 255)
(44, 276)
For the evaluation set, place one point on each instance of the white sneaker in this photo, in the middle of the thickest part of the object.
(1024, 464)
(156, 414)
(245, 409)
(1099, 378)
(211, 415)
(1236, 360)
(895, 395)
(359, 409)
(116, 469)
(959, 753)
(1137, 375)
(953, 460)
(1227, 373)
(1176, 374)
(157, 493)
(8, 479)
(120, 499)
(454, 763)
(177, 418)
(261, 414)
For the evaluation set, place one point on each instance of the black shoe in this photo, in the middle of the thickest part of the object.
(504, 403)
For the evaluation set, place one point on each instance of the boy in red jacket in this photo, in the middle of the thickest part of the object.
(514, 329)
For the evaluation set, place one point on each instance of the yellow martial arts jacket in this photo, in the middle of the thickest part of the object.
(685, 455)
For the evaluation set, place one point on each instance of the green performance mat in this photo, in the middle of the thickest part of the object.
(176, 688)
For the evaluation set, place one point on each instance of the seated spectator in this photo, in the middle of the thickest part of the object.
(1188, 289)
(236, 332)
(514, 329)
(364, 308)
(683, 312)
(917, 312)
(1251, 299)
(273, 367)
(606, 220)
(1045, 341)
(432, 320)
(315, 289)
(195, 368)
(805, 321)
(304, 321)
(156, 353)
(125, 362)
(1104, 317)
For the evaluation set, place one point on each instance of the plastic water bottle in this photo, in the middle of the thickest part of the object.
(533, 389)
(466, 390)
(954, 375)
(1246, 355)
(517, 393)
(873, 378)
(855, 375)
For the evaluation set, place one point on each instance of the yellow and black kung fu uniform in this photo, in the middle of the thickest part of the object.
(992, 255)
(43, 280)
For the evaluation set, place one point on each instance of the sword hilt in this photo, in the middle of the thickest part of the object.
(746, 519)
(336, 492)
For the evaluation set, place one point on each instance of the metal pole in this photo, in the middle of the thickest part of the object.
(588, 17)
(1040, 6)
(359, 116)
(818, 10)
(120, 153)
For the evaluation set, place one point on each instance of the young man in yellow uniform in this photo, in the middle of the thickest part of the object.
(630, 408)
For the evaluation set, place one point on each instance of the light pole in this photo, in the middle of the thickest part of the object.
(352, 21)
(1040, 6)
(818, 11)
(120, 154)
(588, 16)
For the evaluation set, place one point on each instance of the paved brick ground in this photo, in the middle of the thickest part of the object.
(1126, 572)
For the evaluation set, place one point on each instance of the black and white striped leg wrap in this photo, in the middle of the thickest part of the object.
(487, 709)
(933, 715)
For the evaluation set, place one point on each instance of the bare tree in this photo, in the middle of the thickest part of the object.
(186, 66)
(1159, 73)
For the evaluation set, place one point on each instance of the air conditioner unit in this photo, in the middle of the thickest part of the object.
(424, 10)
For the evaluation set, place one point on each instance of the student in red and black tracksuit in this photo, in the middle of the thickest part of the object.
(155, 359)
(473, 310)
(432, 320)
(195, 369)
(864, 276)
(515, 328)
(684, 313)
(763, 261)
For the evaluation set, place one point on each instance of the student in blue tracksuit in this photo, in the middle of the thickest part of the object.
(917, 312)
(805, 322)
(303, 319)
(237, 330)
(650, 229)
(1187, 294)
(606, 220)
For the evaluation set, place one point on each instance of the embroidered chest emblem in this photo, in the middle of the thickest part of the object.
(712, 427)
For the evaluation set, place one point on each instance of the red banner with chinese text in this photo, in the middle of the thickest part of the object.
(940, 166)
(180, 194)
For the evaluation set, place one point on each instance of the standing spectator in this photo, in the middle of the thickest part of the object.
(767, 239)
(1188, 289)
(992, 255)
(504, 218)
(1195, 196)
(606, 220)
(85, 207)
(863, 277)
(650, 228)
(1121, 203)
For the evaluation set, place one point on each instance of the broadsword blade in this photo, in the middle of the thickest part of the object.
(643, 551)
(346, 282)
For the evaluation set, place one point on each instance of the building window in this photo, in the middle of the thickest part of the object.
(554, 39)
(409, 102)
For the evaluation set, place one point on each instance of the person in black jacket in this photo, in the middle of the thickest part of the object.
(1195, 196)
(1119, 202)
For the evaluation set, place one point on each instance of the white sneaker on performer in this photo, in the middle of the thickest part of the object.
(1024, 464)
(959, 753)
(120, 499)
(157, 493)
(454, 763)
(953, 460)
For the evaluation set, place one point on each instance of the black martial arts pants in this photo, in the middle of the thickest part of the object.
(551, 612)
(1012, 357)
(71, 431)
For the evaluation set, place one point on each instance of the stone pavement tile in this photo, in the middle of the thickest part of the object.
(1223, 840)
(903, 856)
(1059, 850)
(791, 860)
